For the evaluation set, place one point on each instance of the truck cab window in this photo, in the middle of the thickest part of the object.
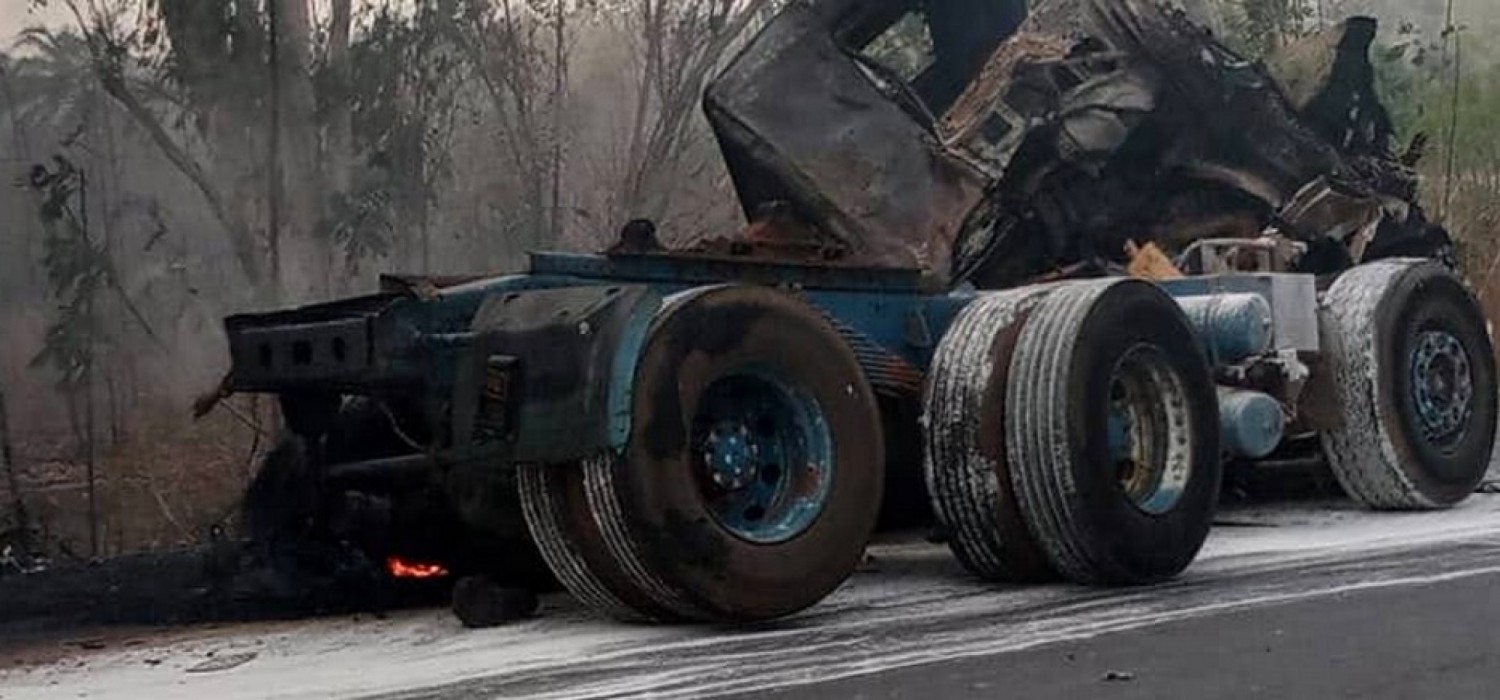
(905, 48)
(937, 48)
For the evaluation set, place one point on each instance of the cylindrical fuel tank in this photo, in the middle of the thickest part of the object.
(1253, 423)
(1232, 327)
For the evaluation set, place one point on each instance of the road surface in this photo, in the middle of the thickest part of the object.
(1304, 600)
(1423, 637)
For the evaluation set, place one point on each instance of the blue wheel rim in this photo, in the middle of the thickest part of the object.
(1150, 433)
(764, 456)
(1442, 387)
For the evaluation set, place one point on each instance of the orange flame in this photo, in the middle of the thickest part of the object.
(401, 568)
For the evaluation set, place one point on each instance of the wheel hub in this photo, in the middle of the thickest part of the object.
(1149, 430)
(732, 456)
(1442, 387)
(765, 454)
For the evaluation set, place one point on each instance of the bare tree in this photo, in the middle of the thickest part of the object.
(200, 78)
(680, 44)
(519, 53)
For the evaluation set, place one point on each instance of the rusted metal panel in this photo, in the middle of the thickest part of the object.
(889, 374)
(325, 346)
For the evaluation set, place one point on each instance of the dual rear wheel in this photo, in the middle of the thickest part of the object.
(1073, 432)
(752, 478)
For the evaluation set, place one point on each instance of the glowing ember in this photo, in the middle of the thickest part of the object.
(400, 568)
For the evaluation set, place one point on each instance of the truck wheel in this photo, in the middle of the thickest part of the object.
(557, 512)
(1113, 433)
(755, 467)
(1415, 373)
(967, 469)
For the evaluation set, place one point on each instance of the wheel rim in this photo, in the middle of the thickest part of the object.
(1442, 386)
(763, 455)
(1149, 430)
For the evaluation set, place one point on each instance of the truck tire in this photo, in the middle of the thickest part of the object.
(557, 512)
(1113, 433)
(754, 472)
(966, 466)
(1414, 370)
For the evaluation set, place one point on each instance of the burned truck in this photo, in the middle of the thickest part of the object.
(1052, 268)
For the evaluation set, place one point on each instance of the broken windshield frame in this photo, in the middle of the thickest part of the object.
(933, 48)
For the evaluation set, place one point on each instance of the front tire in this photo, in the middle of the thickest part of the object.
(1415, 374)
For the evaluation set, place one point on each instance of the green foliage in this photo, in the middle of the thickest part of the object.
(1415, 77)
(403, 93)
(905, 48)
(363, 222)
(55, 81)
(80, 271)
(1429, 92)
(1260, 26)
(1403, 88)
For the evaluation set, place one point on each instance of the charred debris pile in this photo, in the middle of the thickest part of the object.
(1051, 144)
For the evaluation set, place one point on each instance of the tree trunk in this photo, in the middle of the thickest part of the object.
(341, 118)
(337, 100)
(559, 92)
(682, 46)
(18, 139)
(241, 241)
(306, 255)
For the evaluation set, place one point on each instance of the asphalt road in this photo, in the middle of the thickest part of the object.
(1434, 639)
(1310, 600)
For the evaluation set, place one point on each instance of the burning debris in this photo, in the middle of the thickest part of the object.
(403, 569)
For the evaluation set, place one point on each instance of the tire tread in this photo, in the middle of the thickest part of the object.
(962, 482)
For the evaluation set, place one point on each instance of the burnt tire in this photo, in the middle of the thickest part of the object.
(754, 472)
(1113, 433)
(966, 465)
(1414, 369)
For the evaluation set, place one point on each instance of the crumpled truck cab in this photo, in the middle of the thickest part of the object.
(982, 143)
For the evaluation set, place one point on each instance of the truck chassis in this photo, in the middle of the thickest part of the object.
(685, 448)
